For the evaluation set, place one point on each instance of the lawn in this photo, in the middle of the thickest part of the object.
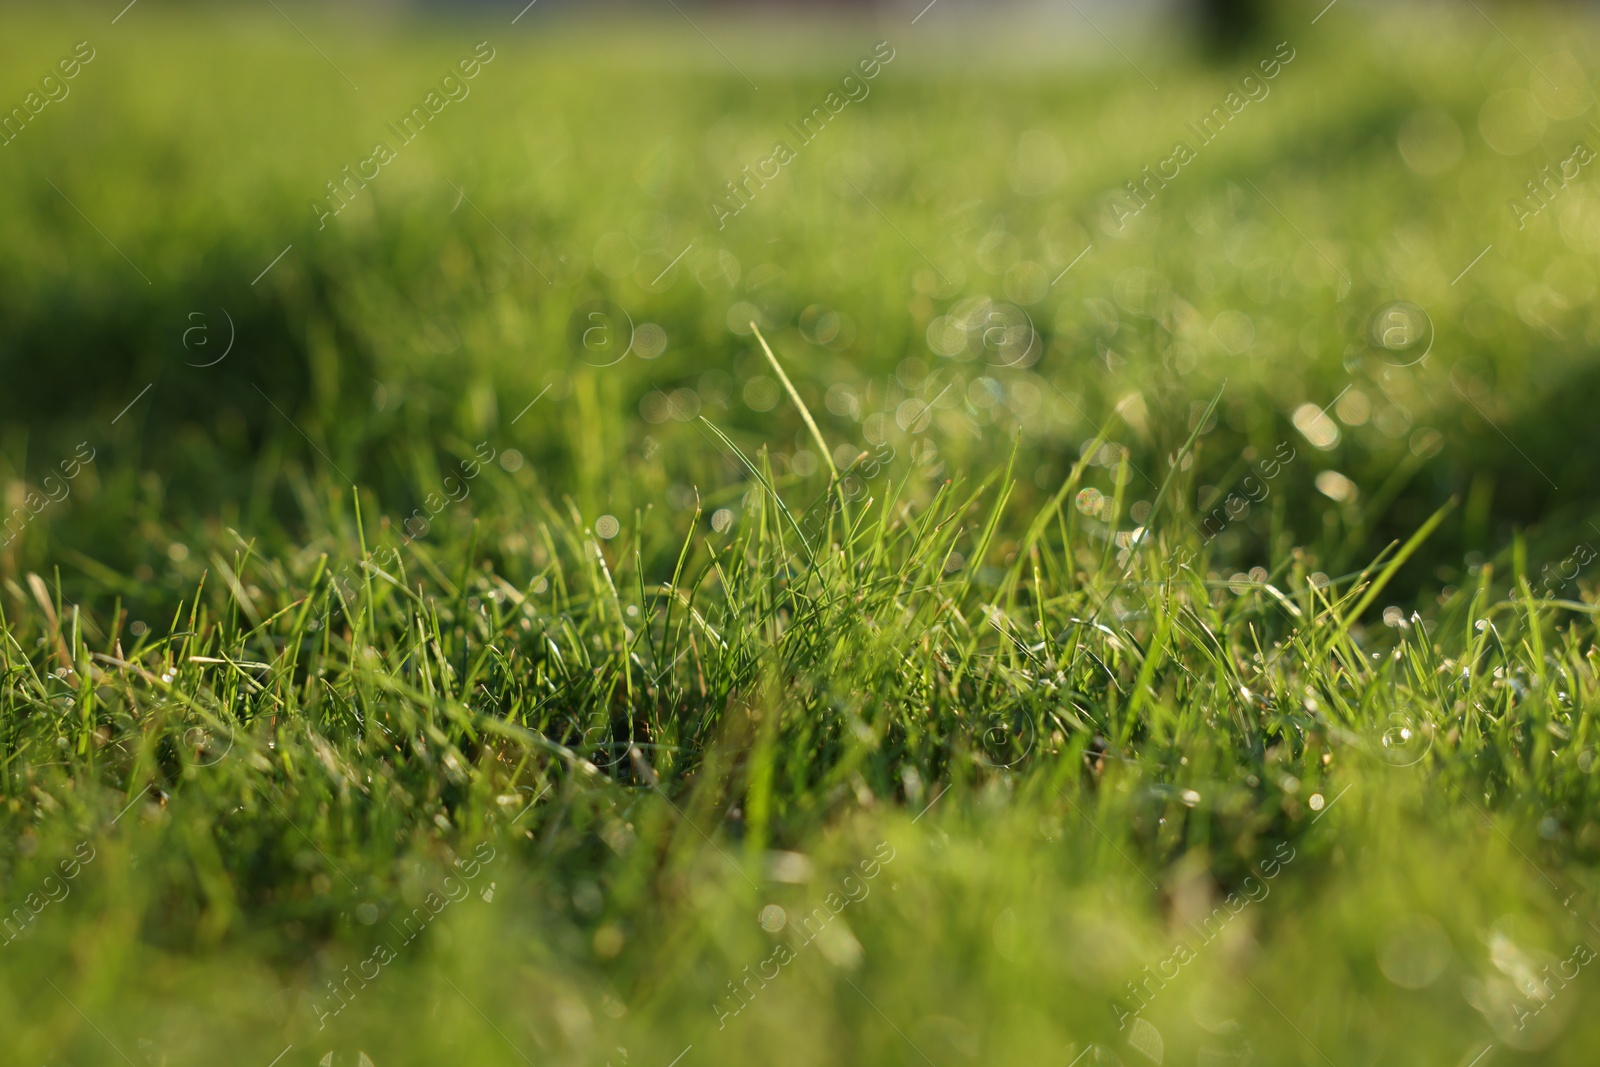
(797, 541)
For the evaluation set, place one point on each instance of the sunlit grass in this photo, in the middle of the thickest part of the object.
(1066, 635)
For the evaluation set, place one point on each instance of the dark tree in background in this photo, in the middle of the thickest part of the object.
(1229, 26)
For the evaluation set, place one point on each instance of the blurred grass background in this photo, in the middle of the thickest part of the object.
(415, 316)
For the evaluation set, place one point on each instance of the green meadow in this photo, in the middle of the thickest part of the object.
(628, 540)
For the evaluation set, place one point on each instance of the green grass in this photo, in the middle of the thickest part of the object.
(917, 620)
